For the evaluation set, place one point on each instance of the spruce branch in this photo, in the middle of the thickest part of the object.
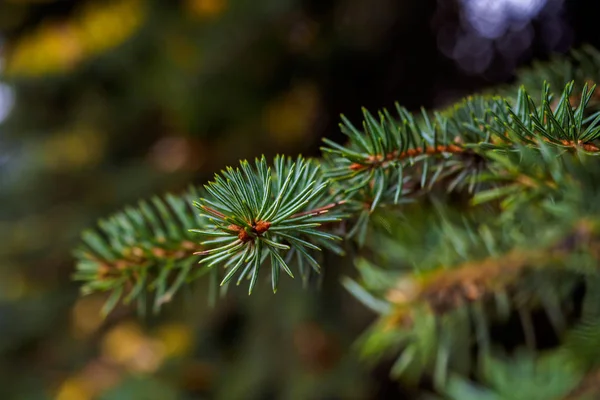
(527, 375)
(495, 147)
(580, 66)
(528, 237)
(140, 250)
(473, 279)
(408, 155)
(255, 213)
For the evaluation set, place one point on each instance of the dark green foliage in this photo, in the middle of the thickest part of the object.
(581, 67)
(441, 276)
(522, 377)
(406, 156)
(148, 247)
(256, 213)
(449, 279)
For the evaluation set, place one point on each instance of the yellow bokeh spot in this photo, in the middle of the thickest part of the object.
(58, 46)
(122, 343)
(128, 346)
(206, 8)
(51, 48)
(93, 379)
(74, 389)
(176, 339)
(74, 148)
(102, 27)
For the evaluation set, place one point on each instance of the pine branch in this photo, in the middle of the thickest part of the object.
(580, 66)
(448, 295)
(529, 235)
(444, 290)
(148, 247)
(255, 213)
(525, 376)
(494, 124)
(407, 155)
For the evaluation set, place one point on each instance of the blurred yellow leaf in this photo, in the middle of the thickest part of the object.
(95, 378)
(74, 389)
(127, 345)
(75, 148)
(51, 48)
(122, 342)
(58, 46)
(176, 339)
(103, 26)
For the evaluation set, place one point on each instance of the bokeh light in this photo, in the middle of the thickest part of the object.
(7, 100)
(7, 94)
(492, 18)
(501, 32)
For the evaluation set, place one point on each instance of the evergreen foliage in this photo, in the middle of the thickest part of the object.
(443, 274)
(139, 249)
(259, 213)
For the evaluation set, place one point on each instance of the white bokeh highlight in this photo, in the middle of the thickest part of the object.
(7, 100)
(492, 18)
(494, 34)
(7, 94)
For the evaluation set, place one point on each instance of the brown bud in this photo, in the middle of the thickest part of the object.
(234, 228)
(262, 226)
(453, 149)
(590, 147)
(244, 236)
(103, 271)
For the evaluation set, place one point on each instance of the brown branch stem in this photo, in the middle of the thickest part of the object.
(139, 258)
(381, 160)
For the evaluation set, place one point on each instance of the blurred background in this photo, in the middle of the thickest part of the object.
(103, 103)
